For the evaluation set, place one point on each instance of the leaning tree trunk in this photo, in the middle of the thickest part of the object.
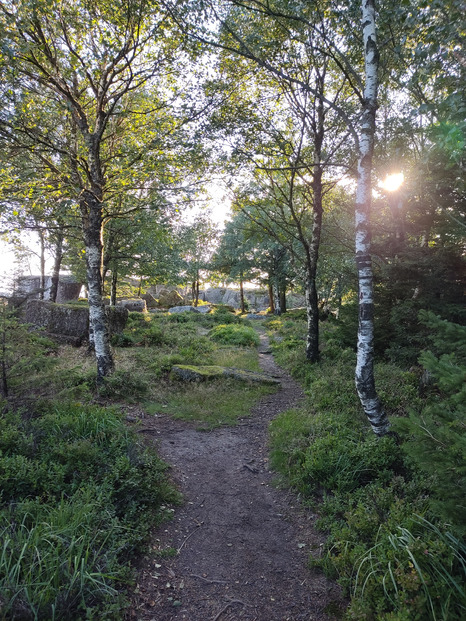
(364, 376)
(56, 266)
(98, 327)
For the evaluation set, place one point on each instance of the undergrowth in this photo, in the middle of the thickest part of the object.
(79, 495)
(394, 545)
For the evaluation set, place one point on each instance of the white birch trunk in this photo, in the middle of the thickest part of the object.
(365, 382)
(98, 325)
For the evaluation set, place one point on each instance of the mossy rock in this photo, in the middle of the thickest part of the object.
(191, 373)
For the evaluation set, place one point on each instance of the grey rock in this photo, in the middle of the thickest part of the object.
(70, 324)
(151, 302)
(183, 309)
(29, 287)
(172, 298)
(192, 373)
(137, 305)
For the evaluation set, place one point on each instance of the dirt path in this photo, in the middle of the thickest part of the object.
(239, 538)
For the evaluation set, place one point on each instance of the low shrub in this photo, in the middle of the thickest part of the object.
(237, 335)
(79, 495)
(389, 511)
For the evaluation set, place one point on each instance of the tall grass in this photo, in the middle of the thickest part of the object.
(79, 496)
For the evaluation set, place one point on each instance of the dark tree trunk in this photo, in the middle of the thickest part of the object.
(241, 295)
(271, 300)
(113, 290)
(4, 384)
(42, 264)
(196, 291)
(282, 298)
(312, 301)
(56, 266)
(312, 313)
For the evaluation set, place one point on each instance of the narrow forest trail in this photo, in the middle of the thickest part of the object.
(239, 538)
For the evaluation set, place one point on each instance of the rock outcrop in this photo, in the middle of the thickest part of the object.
(136, 305)
(191, 373)
(169, 299)
(67, 323)
(29, 287)
(190, 309)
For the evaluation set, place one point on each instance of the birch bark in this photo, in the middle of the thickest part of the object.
(98, 328)
(364, 376)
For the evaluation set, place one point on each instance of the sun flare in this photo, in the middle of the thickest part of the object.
(391, 183)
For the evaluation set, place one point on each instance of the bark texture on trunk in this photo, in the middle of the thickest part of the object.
(312, 314)
(364, 376)
(98, 328)
(312, 300)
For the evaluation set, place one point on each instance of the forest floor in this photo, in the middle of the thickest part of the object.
(238, 547)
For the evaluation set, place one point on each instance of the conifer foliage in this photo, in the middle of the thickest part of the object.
(438, 440)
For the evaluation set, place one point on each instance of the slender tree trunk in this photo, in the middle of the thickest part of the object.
(282, 297)
(196, 291)
(56, 266)
(42, 264)
(241, 294)
(365, 382)
(98, 327)
(312, 301)
(113, 290)
(276, 296)
(312, 314)
(271, 300)
(4, 384)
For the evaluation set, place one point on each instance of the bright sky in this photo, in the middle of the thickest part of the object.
(219, 206)
(28, 266)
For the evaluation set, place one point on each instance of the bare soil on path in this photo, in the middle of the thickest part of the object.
(242, 545)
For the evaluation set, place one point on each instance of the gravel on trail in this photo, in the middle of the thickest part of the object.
(241, 544)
